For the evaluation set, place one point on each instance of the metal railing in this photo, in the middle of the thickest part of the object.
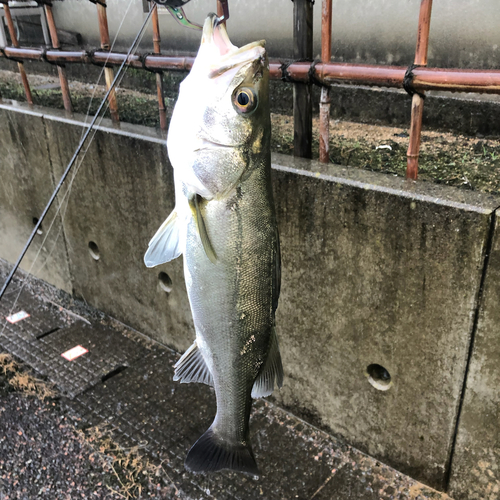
(415, 79)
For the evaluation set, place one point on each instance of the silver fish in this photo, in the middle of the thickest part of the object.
(224, 224)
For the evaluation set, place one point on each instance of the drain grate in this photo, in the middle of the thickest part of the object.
(43, 317)
(40, 339)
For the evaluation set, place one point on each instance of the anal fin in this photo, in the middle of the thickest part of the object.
(201, 228)
(271, 371)
(191, 367)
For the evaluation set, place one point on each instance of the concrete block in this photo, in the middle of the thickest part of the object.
(380, 277)
(122, 193)
(26, 185)
(475, 473)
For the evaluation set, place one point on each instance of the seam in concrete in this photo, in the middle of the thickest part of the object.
(477, 311)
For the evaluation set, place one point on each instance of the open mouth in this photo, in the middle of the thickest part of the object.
(230, 56)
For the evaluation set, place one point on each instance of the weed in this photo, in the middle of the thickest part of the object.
(131, 470)
(444, 158)
(23, 381)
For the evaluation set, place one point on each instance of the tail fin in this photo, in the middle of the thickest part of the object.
(210, 454)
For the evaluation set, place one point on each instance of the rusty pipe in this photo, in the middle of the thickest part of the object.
(15, 43)
(60, 69)
(441, 79)
(324, 104)
(102, 17)
(156, 28)
(424, 25)
(159, 76)
(109, 74)
(417, 110)
(417, 101)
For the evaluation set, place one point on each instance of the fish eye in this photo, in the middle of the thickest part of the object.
(244, 100)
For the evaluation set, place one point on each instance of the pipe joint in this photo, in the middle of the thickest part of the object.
(408, 81)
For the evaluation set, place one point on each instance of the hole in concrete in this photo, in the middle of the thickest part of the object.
(379, 377)
(112, 373)
(94, 250)
(165, 282)
(35, 222)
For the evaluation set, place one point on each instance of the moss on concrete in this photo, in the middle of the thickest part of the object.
(456, 160)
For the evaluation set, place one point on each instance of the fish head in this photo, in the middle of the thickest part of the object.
(223, 104)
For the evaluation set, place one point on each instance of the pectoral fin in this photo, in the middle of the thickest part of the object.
(271, 371)
(165, 244)
(191, 367)
(201, 228)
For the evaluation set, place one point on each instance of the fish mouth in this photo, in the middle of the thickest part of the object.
(228, 56)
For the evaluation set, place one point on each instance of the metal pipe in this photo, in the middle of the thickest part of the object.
(60, 69)
(159, 76)
(452, 80)
(324, 104)
(356, 74)
(108, 71)
(417, 101)
(15, 43)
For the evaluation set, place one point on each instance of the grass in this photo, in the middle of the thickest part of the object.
(460, 161)
(128, 472)
(131, 470)
(20, 380)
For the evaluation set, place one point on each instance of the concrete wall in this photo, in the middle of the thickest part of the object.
(376, 271)
(476, 463)
(464, 33)
(26, 184)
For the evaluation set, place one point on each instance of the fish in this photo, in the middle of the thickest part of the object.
(224, 224)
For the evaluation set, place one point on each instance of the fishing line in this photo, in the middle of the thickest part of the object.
(75, 156)
(65, 198)
(61, 209)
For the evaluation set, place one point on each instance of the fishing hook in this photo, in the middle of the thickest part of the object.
(225, 11)
(175, 7)
(75, 156)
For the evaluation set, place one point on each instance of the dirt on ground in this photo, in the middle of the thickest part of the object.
(463, 161)
(45, 455)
